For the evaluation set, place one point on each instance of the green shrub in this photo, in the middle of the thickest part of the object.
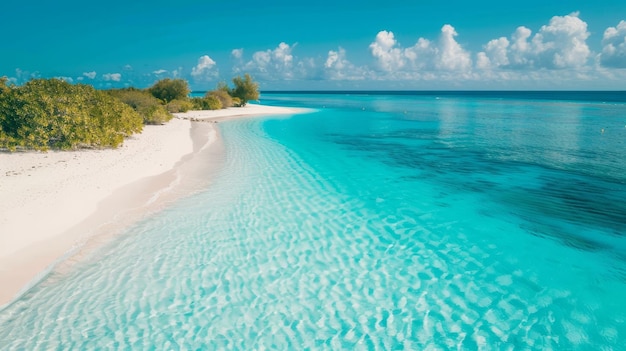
(237, 102)
(156, 114)
(225, 99)
(167, 89)
(150, 108)
(50, 113)
(197, 103)
(206, 103)
(3, 84)
(176, 106)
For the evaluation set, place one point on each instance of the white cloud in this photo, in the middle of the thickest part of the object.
(388, 57)
(336, 59)
(80, 79)
(560, 44)
(520, 48)
(450, 54)
(337, 67)
(614, 46)
(237, 53)
(90, 75)
(276, 64)
(444, 54)
(115, 77)
(204, 68)
(159, 71)
(495, 54)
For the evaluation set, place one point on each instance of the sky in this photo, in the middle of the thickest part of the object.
(321, 45)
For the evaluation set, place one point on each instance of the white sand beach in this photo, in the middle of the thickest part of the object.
(54, 204)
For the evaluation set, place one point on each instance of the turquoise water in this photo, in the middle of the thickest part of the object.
(377, 222)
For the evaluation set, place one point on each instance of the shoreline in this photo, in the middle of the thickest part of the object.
(60, 206)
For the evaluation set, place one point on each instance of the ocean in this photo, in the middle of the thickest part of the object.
(378, 221)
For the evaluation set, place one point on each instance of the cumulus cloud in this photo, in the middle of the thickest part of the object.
(495, 54)
(614, 46)
(558, 45)
(115, 77)
(451, 55)
(443, 54)
(237, 53)
(204, 68)
(337, 67)
(387, 55)
(90, 75)
(275, 64)
(562, 43)
(159, 71)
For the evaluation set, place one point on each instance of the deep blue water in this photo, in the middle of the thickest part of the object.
(406, 221)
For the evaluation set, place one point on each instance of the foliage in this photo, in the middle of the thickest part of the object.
(237, 102)
(206, 103)
(150, 108)
(50, 113)
(225, 99)
(176, 106)
(167, 89)
(3, 84)
(245, 89)
(223, 87)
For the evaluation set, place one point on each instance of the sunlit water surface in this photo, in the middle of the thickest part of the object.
(377, 222)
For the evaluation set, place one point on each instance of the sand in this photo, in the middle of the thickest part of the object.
(54, 205)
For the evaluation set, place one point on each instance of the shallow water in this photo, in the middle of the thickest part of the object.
(377, 222)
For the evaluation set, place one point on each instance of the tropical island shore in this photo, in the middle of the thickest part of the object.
(56, 205)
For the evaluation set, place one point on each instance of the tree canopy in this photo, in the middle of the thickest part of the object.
(245, 89)
(167, 89)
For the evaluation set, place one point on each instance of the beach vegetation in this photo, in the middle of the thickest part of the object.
(4, 87)
(223, 86)
(149, 108)
(245, 89)
(47, 114)
(168, 89)
(176, 106)
(53, 114)
(207, 102)
(223, 96)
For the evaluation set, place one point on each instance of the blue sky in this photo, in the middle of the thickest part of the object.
(323, 45)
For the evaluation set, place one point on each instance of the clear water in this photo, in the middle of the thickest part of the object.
(378, 222)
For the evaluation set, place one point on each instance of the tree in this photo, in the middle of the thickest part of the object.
(222, 96)
(245, 89)
(170, 89)
(223, 87)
